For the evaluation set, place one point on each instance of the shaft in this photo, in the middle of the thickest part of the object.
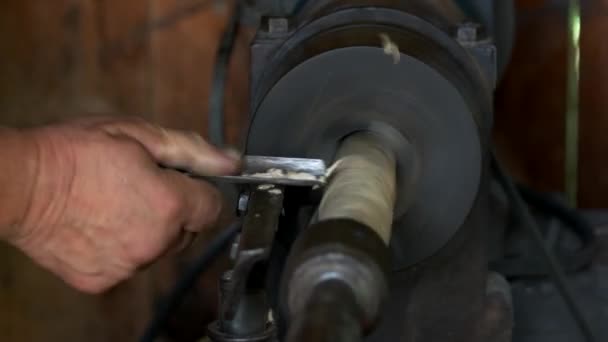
(336, 272)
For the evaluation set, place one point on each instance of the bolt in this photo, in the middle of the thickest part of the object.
(234, 248)
(225, 284)
(278, 25)
(468, 32)
(243, 202)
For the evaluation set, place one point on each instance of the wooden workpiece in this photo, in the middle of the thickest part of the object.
(362, 184)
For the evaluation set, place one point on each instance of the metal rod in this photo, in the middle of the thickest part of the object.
(331, 315)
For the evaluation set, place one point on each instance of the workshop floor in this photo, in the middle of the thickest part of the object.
(540, 312)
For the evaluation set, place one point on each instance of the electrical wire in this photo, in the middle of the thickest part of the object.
(571, 219)
(297, 8)
(187, 281)
(556, 271)
(220, 72)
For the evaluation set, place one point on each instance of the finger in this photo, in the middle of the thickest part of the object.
(184, 241)
(93, 121)
(91, 283)
(177, 149)
(202, 202)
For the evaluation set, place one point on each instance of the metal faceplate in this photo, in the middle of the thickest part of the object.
(345, 90)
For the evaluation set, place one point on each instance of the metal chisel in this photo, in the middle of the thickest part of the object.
(279, 171)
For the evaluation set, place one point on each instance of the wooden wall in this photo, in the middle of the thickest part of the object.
(66, 58)
(531, 100)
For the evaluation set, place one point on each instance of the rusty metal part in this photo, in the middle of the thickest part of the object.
(332, 315)
(342, 251)
(328, 266)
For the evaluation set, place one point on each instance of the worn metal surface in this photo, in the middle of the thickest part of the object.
(329, 77)
(332, 315)
(306, 97)
(279, 171)
(337, 250)
(364, 279)
(442, 298)
(444, 134)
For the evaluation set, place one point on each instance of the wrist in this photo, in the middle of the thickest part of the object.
(18, 175)
(47, 166)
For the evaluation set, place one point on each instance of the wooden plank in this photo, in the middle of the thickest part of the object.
(593, 179)
(120, 61)
(39, 56)
(531, 100)
(183, 61)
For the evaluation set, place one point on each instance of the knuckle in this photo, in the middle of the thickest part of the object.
(143, 252)
(210, 205)
(172, 206)
(141, 256)
(195, 137)
(167, 146)
(130, 148)
(91, 285)
(214, 206)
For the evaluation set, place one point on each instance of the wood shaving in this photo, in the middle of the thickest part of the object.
(278, 173)
(275, 191)
(390, 48)
(332, 168)
(362, 185)
(265, 186)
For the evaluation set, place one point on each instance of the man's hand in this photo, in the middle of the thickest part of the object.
(100, 205)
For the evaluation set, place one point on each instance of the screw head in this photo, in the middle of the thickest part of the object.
(242, 203)
(234, 249)
(468, 32)
(278, 25)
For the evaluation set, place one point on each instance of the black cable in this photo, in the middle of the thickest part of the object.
(187, 280)
(299, 6)
(556, 271)
(220, 71)
(571, 261)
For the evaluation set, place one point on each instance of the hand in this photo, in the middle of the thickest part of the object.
(101, 207)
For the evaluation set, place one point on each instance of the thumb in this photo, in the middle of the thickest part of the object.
(177, 149)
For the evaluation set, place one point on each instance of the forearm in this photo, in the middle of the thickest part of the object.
(19, 157)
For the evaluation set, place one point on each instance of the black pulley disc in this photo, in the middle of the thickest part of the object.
(338, 92)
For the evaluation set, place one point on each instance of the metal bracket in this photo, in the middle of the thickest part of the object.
(244, 308)
(482, 48)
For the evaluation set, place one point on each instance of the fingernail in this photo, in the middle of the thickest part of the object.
(233, 153)
(235, 157)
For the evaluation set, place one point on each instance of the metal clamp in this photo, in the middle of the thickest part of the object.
(243, 305)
